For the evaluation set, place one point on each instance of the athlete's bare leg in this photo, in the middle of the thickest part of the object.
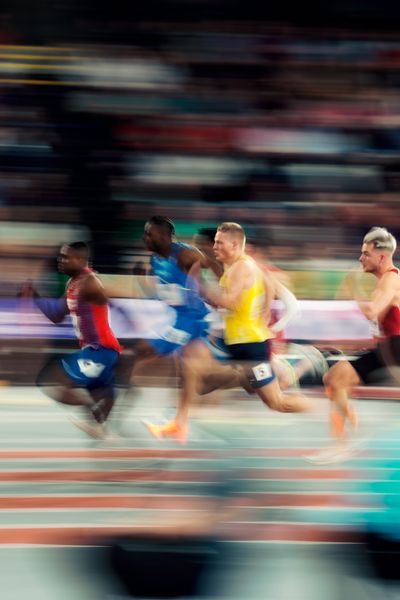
(338, 381)
(272, 395)
(54, 382)
(194, 362)
(218, 377)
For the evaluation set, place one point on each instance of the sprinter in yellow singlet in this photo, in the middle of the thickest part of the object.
(246, 293)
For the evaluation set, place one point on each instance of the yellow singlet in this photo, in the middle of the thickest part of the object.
(246, 322)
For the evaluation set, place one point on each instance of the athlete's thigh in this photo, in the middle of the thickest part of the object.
(91, 367)
(254, 359)
(197, 357)
(53, 374)
(185, 331)
(270, 393)
(123, 370)
(342, 374)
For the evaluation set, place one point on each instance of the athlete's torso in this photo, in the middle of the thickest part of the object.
(174, 286)
(246, 322)
(90, 320)
(389, 324)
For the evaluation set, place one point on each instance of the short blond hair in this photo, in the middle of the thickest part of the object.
(234, 229)
(381, 238)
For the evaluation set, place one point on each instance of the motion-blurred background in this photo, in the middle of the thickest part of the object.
(284, 117)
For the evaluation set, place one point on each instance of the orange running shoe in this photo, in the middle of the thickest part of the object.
(353, 417)
(170, 429)
(337, 424)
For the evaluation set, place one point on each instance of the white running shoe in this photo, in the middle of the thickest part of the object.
(332, 455)
(92, 428)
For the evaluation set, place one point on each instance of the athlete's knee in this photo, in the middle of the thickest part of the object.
(281, 404)
(327, 379)
(194, 367)
(48, 376)
(124, 369)
(52, 380)
(273, 401)
(341, 374)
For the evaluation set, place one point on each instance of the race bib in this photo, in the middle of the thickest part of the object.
(375, 329)
(90, 368)
(176, 336)
(262, 371)
(171, 293)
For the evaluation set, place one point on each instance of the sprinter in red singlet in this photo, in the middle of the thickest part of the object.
(85, 377)
(383, 310)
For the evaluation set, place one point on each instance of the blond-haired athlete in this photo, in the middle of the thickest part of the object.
(245, 291)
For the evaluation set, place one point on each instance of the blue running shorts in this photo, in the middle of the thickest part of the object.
(91, 367)
(185, 329)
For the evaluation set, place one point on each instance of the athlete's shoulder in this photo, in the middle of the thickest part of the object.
(392, 274)
(187, 255)
(90, 279)
(179, 248)
(246, 262)
(241, 267)
(92, 288)
(390, 280)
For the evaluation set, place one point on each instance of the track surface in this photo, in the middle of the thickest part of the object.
(295, 527)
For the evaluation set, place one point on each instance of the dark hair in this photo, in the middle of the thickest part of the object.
(207, 232)
(80, 248)
(164, 223)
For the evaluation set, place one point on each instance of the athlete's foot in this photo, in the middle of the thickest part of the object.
(353, 417)
(97, 411)
(91, 427)
(337, 420)
(334, 454)
(171, 429)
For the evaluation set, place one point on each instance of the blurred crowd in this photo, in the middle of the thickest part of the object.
(294, 132)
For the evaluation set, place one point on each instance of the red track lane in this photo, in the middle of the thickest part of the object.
(163, 475)
(101, 453)
(311, 473)
(177, 501)
(151, 453)
(102, 502)
(291, 532)
(261, 532)
(87, 475)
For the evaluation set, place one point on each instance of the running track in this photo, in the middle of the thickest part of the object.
(59, 488)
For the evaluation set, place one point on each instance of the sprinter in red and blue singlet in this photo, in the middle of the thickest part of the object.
(93, 366)
(90, 320)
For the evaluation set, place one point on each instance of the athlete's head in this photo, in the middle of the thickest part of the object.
(229, 242)
(204, 239)
(158, 234)
(73, 258)
(377, 250)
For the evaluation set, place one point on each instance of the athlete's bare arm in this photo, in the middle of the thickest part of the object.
(241, 278)
(93, 291)
(211, 262)
(385, 295)
(55, 309)
(291, 307)
(190, 257)
(271, 285)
